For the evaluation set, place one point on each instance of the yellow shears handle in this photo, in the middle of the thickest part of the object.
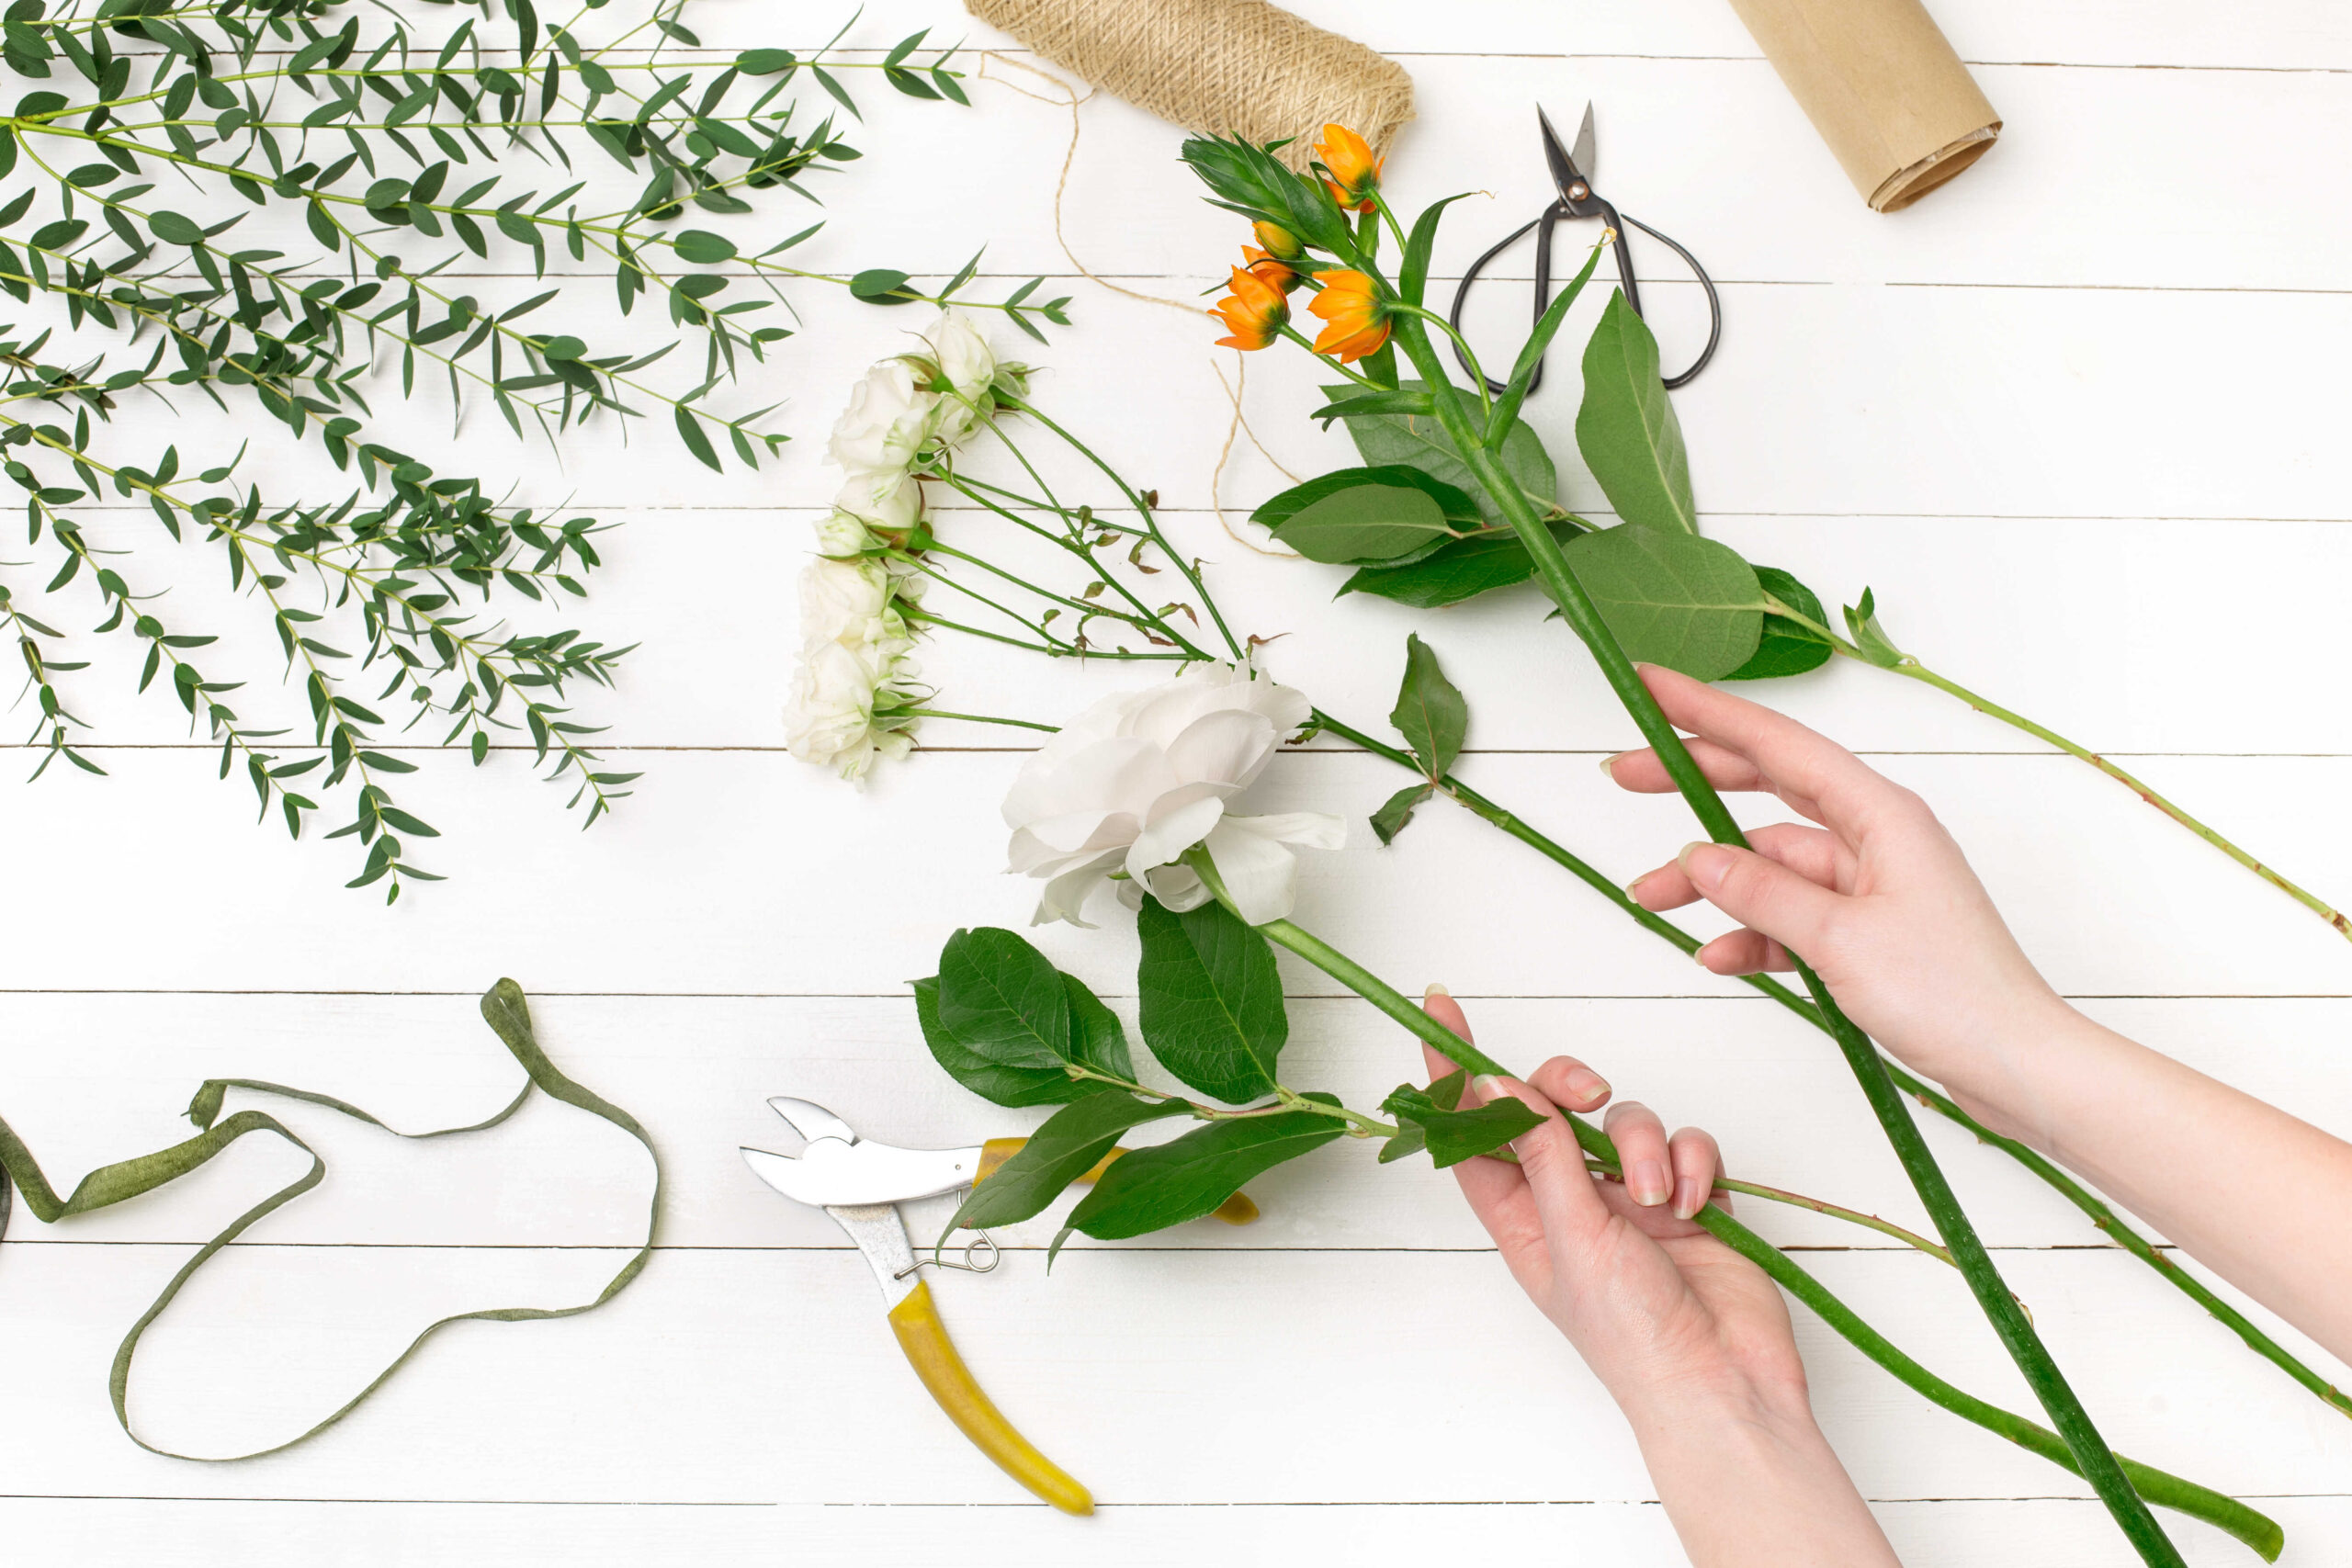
(1237, 1209)
(924, 1339)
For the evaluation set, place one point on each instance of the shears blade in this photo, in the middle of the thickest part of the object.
(1582, 154)
(830, 1173)
(1571, 170)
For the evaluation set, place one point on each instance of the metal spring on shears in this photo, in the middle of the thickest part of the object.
(982, 1245)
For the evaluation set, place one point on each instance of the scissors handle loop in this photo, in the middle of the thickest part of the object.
(1544, 223)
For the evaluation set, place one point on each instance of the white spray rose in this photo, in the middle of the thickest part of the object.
(847, 602)
(887, 421)
(965, 373)
(1143, 777)
(883, 497)
(831, 719)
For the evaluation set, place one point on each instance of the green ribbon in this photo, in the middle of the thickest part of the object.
(506, 1012)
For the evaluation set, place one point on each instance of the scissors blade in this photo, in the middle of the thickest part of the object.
(881, 1237)
(810, 1120)
(830, 1172)
(1566, 175)
(1582, 154)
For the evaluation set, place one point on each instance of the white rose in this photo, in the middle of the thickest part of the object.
(887, 421)
(884, 498)
(840, 534)
(844, 602)
(830, 720)
(966, 363)
(1143, 777)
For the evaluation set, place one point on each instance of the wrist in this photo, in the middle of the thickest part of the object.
(1669, 1408)
(2009, 1072)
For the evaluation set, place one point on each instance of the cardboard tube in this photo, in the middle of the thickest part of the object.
(1882, 84)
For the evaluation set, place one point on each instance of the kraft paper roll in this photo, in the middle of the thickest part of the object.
(1882, 84)
(1220, 67)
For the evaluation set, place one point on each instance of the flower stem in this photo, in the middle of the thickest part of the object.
(2253, 1529)
(2081, 1197)
(978, 718)
(2096, 1462)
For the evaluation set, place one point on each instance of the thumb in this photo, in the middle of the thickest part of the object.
(1760, 894)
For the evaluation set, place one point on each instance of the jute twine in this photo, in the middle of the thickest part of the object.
(1220, 67)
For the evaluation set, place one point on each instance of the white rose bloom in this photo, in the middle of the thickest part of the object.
(965, 373)
(846, 602)
(840, 534)
(884, 498)
(887, 421)
(1143, 777)
(830, 720)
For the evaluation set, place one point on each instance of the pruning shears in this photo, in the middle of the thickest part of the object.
(1571, 170)
(861, 1182)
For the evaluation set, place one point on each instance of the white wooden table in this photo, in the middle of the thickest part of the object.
(2079, 419)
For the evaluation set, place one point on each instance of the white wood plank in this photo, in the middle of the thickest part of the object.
(750, 872)
(746, 1376)
(2113, 631)
(104, 1076)
(111, 1533)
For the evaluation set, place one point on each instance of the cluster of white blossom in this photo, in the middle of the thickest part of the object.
(856, 683)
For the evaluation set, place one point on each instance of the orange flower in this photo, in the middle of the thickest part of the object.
(1271, 269)
(1355, 173)
(1359, 320)
(1254, 311)
(1278, 242)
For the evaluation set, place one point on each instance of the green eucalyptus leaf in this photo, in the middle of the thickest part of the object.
(1431, 712)
(880, 286)
(1786, 648)
(1421, 443)
(704, 248)
(1398, 810)
(1186, 1177)
(1627, 429)
(1211, 1001)
(1689, 603)
(1071, 1143)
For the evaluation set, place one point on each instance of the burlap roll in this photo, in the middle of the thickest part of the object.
(1222, 67)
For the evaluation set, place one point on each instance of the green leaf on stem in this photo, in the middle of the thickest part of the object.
(1386, 514)
(1786, 647)
(1862, 620)
(1211, 1001)
(1071, 1143)
(1432, 1121)
(1413, 273)
(1009, 1026)
(1420, 443)
(1391, 818)
(1452, 572)
(1371, 403)
(1431, 712)
(1531, 354)
(1689, 603)
(1249, 180)
(1627, 429)
(1186, 1177)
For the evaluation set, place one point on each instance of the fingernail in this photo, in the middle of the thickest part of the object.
(1646, 1182)
(1609, 766)
(1689, 1198)
(1587, 1085)
(1705, 864)
(1700, 958)
(1435, 989)
(1634, 889)
(1489, 1087)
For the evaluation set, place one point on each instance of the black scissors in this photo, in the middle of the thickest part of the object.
(1571, 174)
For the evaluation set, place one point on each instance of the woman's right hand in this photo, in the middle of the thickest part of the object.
(1878, 899)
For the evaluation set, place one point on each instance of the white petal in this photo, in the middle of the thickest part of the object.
(1179, 887)
(1103, 775)
(1170, 833)
(1078, 833)
(1229, 746)
(1065, 896)
(1308, 829)
(1260, 876)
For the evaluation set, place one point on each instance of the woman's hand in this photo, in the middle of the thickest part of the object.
(1879, 899)
(1690, 1339)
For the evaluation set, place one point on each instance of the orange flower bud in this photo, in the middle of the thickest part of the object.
(1270, 268)
(1254, 313)
(1354, 172)
(1359, 320)
(1278, 242)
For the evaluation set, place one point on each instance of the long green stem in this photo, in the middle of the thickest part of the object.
(2000, 1307)
(2074, 1192)
(2256, 1530)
